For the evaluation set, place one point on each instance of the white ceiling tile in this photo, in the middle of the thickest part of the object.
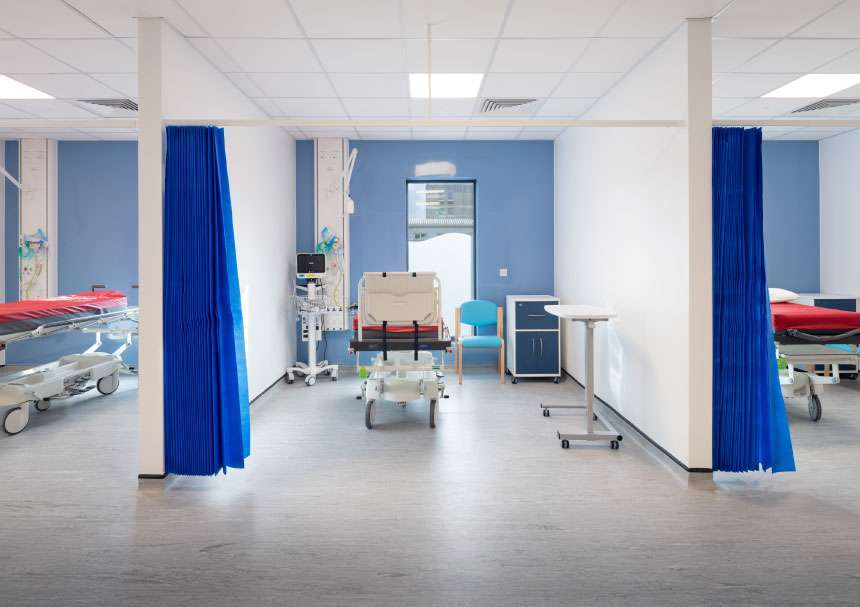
(847, 64)
(92, 55)
(541, 133)
(812, 133)
(768, 107)
(51, 108)
(841, 22)
(348, 18)
(614, 54)
(749, 85)
(454, 18)
(371, 85)
(124, 83)
(558, 18)
(385, 133)
(451, 55)
(45, 19)
(720, 105)
(119, 17)
(377, 108)
(252, 18)
(67, 86)
(775, 132)
(311, 108)
(270, 106)
(731, 53)
(565, 108)
(586, 84)
(17, 57)
(537, 55)
(244, 83)
(490, 134)
(656, 18)
(7, 112)
(446, 108)
(361, 55)
(292, 85)
(438, 133)
(271, 55)
(519, 85)
(775, 18)
(213, 51)
(798, 55)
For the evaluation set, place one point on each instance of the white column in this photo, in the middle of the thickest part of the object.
(150, 196)
(3, 183)
(701, 313)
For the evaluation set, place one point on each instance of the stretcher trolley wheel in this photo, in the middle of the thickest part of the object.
(16, 419)
(434, 410)
(546, 412)
(565, 444)
(369, 414)
(614, 444)
(108, 384)
(43, 404)
(814, 408)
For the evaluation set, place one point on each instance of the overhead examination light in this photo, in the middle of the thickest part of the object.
(815, 86)
(12, 89)
(445, 86)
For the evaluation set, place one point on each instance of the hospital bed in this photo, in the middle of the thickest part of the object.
(805, 336)
(399, 317)
(97, 313)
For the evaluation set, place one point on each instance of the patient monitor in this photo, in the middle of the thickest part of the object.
(313, 302)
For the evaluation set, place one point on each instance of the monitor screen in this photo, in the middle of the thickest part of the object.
(310, 263)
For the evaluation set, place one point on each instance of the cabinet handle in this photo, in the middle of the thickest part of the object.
(537, 315)
(541, 347)
(533, 345)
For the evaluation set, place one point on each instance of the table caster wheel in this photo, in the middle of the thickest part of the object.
(594, 416)
(555, 380)
(613, 444)
(334, 377)
(565, 444)
(42, 405)
(290, 381)
(546, 412)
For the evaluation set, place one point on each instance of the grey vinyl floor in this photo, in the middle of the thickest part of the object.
(486, 509)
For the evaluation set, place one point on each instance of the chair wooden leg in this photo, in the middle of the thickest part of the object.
(502, 363)
(460, 369)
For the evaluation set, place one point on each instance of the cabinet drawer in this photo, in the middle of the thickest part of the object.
(531, 315)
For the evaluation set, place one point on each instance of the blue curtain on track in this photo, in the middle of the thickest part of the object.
(206, 411)
(750, 425)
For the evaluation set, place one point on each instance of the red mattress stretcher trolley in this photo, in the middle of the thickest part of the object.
(805, 336)
(97, 312)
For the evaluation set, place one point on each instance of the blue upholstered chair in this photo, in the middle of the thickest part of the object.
(479, 313)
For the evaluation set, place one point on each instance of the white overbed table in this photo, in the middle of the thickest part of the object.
(590, 315)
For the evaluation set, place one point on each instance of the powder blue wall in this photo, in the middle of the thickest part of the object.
(97, 209)
(514, 213)
(10, 236)
(791, 214)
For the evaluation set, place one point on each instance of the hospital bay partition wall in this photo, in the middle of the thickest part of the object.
(750, 424)
(206, 409)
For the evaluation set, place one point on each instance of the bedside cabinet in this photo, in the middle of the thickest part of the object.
(533, 337)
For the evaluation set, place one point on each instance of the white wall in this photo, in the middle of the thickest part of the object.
(261, 167)
(622, 240)
(840, 213)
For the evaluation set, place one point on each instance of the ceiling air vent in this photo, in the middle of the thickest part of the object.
(826, 104)
(495, 105)
(115, 104)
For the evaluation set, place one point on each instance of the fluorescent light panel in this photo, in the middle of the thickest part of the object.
(445, 86)
(815, 86)
(12, 89)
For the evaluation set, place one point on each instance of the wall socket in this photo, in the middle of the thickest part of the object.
(503, 272)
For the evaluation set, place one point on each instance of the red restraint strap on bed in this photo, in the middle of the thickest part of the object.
(396, 328)
(78, 304)
(797, 316)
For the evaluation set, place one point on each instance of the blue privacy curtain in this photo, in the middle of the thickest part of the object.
(750, 426)
(206, 412)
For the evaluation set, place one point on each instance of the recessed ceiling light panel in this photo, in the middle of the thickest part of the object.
(445, 86)
(12, 89)
(815, 86)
